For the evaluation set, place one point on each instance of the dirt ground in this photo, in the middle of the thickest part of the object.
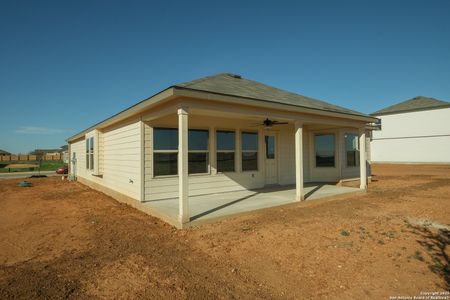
(63, 240)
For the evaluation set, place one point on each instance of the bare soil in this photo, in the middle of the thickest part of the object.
(63, 240)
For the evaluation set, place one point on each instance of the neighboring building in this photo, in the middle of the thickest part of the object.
(215, 135)
(46, 151)
(413, 131)
(4, 153)
(65, 153)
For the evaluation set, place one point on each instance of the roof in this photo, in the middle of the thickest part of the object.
(415, 104)
(232, 85)
(36, 151)
(3, 152)
(235, 85)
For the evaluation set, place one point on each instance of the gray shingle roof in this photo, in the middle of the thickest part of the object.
(3, 152)
(235, 85)
(414, 104)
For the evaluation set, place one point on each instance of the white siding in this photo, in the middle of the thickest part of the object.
(119, 156)
(422, 136)
(121, 151)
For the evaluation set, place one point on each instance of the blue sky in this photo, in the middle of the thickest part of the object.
(65, 65)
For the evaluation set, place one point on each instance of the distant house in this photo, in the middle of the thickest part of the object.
(4, 153)
(65, 153)
(219, 135)
(54, 151)
(413, 131)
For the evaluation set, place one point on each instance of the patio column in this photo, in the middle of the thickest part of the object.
(183, 189)
(362, 158)
(299, 161)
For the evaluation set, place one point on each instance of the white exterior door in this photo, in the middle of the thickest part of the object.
(271, 158)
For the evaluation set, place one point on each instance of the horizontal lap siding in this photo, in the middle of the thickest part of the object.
(122, 155)
(162, 188)
(79, 149)
(119, 159)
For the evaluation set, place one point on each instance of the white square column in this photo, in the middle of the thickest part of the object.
(299, 161)
(362, 158)
(183, 188)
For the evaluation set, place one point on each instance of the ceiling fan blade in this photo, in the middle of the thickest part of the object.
(279, 123)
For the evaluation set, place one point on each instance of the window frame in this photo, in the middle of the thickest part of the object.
(334, 134)
(207, 152)
(242, 132)
(356, 150)
(90, 150)
(162, 151)
(234, 151)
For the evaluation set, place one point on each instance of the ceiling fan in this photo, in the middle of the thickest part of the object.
(268, 124)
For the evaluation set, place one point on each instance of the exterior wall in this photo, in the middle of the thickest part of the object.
(165, 187)
(117, 158)
(124, 153)
(416, 137)
(340, 170)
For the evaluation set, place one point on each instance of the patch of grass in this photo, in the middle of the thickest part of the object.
(46, 165)
(389, 234)
(246, 228)
(345, 232)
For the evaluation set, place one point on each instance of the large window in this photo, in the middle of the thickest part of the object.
(90, 153)
(165, 151)
(198, 151)
(249, 151)
(352, 149)
(225, 150)
(324, 145)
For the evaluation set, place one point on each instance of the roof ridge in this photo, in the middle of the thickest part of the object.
(196, 81)
(413, 104)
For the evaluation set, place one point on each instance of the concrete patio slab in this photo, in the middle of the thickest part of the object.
(210, 207)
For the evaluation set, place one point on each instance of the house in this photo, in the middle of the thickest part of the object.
(65, 153)
(46, 151)
(4, 153)
(220, 136)
(413, 131)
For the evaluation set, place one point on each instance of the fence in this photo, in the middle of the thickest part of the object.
(56, 156)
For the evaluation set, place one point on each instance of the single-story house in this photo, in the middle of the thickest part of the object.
(4, 153)
(46, 151)
(413, 131)
(219, 134)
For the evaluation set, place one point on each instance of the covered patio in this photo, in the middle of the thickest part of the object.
(210, 207)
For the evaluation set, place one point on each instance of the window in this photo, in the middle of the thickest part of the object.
(90, 153)
(324, 145)
(225, 150)
(249, 151)
(165, 151)
(198, 151)
(270, 147)
(352, 149)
